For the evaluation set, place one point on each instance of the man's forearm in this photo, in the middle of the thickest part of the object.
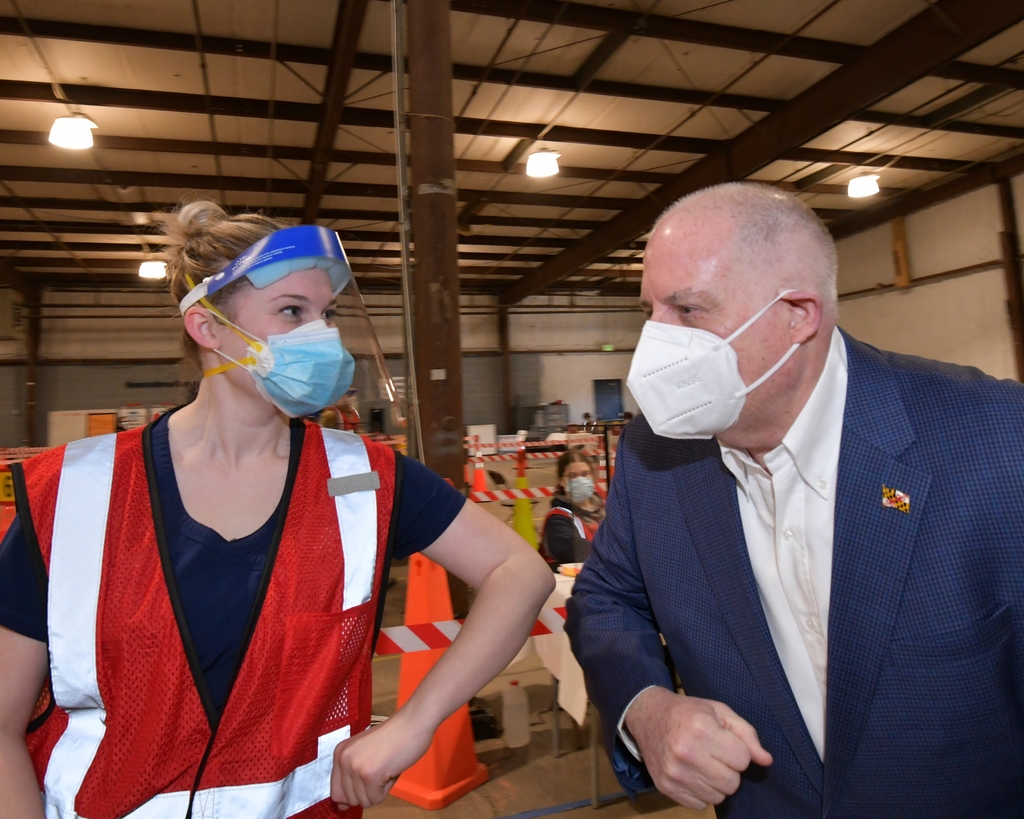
(19, 789)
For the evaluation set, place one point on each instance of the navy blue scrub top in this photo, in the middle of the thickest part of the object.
(217, 578)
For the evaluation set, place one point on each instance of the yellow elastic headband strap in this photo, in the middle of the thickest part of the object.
(230, 365)
(250, 340)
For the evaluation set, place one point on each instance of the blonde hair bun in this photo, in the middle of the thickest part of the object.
(200, 241)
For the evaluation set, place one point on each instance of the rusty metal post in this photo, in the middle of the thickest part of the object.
(434, 232)
(506, 369)
(32, 338)
(1012, 271)
(436, 275)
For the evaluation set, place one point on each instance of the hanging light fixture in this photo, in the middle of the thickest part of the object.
(861, 186)
(72, 132)
(542, 163)
(153, 270)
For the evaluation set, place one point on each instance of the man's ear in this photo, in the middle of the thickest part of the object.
(201, 327)
(804, 315)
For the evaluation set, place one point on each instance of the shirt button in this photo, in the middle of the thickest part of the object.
(810, 624)
(788, 535)
(822, 484)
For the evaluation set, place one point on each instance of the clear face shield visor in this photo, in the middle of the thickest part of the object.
(372, 403)
(374, 395)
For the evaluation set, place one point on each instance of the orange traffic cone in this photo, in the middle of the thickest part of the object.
(479, 479)
(449, 769)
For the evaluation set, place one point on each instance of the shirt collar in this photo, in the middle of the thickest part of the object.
(813, 441)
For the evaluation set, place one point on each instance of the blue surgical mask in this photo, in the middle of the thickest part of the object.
(302, 371)
(580, 489)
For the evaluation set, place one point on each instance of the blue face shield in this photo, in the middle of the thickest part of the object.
(308, 368)
(303, 247)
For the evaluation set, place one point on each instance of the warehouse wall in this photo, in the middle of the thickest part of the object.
(105, 386)
(12, 405)
(570, 378)
(960, 316)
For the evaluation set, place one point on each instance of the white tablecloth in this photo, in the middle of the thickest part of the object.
(557, 657)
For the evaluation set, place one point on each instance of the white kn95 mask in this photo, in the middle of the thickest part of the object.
(687, 382)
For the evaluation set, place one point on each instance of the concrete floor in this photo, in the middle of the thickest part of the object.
(521, 779)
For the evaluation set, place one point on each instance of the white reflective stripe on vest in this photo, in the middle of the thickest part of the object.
(301, 789)
(76, 563)
(357, 515)
(76, 560)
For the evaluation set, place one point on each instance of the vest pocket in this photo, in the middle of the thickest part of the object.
(318, 687)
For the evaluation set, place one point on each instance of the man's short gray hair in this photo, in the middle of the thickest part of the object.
(773, 230)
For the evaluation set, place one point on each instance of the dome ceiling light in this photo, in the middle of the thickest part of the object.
(153, 270)
(74, 132)
(542, 163)
(861, 186)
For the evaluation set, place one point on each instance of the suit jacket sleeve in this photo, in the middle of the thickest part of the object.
(611, 626)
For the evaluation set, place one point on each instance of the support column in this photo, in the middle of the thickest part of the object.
(32, 337)
(901, 257)
(436, 275)
(506, 370)
(1012, 271)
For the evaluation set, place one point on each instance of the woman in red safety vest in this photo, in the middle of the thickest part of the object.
(576, 511)
(188, 610)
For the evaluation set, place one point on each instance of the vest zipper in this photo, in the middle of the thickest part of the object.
(298, 432)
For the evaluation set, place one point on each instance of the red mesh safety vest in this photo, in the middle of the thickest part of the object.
(127, 731)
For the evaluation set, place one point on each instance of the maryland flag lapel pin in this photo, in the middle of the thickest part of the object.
(894, 499)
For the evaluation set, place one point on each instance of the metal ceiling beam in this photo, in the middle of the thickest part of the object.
(13, 278)
(674, 29)
(43, 203)
(593, 63)
(27, 226)
(596, 59)
(378, 118)
(577, 15)
(197, 147)
(348, 25)
(965, 103)
(387, 160)
(28, 245)
(930, 39)
(468, 283)
(209, 182)
(28, 264)
(293, 152)
(913, 201)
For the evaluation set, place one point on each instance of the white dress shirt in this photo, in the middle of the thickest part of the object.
(788, 515)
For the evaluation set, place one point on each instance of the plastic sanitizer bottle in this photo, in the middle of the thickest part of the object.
(515, 716)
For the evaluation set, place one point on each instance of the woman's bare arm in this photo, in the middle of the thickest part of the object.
(512, 583)
(24, 663)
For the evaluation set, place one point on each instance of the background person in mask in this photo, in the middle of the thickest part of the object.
(828, 537)
(576, 511)
(188, 610)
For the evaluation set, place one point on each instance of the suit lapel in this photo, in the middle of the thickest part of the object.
(872, 546)
(713, 518)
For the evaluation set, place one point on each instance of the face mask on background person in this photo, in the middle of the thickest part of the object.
(300, 372)
(687, 381)
(579, 490)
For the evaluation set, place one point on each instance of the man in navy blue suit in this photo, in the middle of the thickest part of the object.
(829, 538)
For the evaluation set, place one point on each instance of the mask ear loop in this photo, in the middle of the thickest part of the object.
(238, 331)
(757, 315)
(771, 370)
(770, 373)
